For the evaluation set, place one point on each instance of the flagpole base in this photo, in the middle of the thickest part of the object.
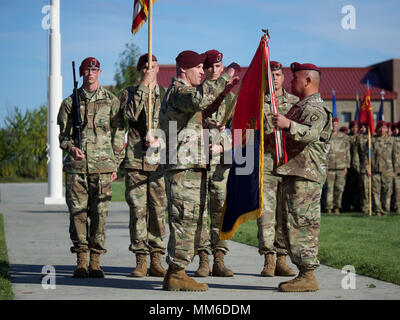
(54, 201)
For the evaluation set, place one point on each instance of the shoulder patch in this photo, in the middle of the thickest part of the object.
(314, 118)
(182, 89)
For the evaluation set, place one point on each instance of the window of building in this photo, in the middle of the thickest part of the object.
(345, 117)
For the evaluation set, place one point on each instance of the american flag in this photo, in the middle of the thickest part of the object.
(140, 12)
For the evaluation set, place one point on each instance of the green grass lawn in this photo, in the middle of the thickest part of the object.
(370, 244)
(118, 190)
(5, 282)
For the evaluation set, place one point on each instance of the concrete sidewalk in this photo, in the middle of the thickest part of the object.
(37, 236)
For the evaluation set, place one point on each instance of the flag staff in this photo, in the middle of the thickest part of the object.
(54, 99)
(357, 106)
(369, 165)
(280, 150)
(150, 65)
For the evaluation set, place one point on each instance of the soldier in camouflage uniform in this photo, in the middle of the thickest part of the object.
(144, 182)
(270, 237)
(383, 157)
(90, 171)
(338, 164)
(186, 101)
(308, 129)
(396, 182)
(361, 165)
(351, 200)
(217, 176)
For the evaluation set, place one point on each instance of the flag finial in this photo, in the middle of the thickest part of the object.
(266, 34)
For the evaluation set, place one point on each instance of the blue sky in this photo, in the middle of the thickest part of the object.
(303, 31)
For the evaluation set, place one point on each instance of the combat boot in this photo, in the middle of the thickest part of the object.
(304, 282)
(176, 279)
(94, 266)
(282, 269)
(219, 269)
(156, 269)
(204, 266)
(141, 266)
(81, 270)
(269, 265)
(336, 210)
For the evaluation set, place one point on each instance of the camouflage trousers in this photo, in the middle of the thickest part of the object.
(351, 199)
(145, 194)
(187, 215)
(335, 182)
(301, 211)
(270, 236)
(396, 193)
(364, 192)
(216, 188)
(88, 196)
(381, 191)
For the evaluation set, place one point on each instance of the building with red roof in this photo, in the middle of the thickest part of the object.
(346, 81)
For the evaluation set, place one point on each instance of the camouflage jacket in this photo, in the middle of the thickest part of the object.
(285, 102)
(360, 154)
(308, 139)
(383, 154)
(134, 104)
(396, 164)
(102, 135)
(353, 148)
(182, 109)
(339, 153)
(218, 116)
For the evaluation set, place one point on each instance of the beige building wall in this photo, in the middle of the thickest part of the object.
(390, 73)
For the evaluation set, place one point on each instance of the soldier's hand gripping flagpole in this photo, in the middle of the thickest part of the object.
(280, 149)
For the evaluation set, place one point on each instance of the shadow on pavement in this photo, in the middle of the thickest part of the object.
(32, 274)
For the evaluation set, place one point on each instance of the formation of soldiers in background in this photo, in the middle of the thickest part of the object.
(350, 177)
(189, 189)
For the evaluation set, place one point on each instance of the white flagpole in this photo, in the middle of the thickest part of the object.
(54, 99)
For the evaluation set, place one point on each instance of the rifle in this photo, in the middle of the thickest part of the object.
(76, 110)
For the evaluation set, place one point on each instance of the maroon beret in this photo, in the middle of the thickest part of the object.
(295, 66)
(89, 62)
(343, 129)
(381, 124)
(353, 123)
(335, 120)
(143, 60)
(275, 65)
(189, 59)
(212, 56)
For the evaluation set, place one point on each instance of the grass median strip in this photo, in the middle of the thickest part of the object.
(370, 244)
(5, 281)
